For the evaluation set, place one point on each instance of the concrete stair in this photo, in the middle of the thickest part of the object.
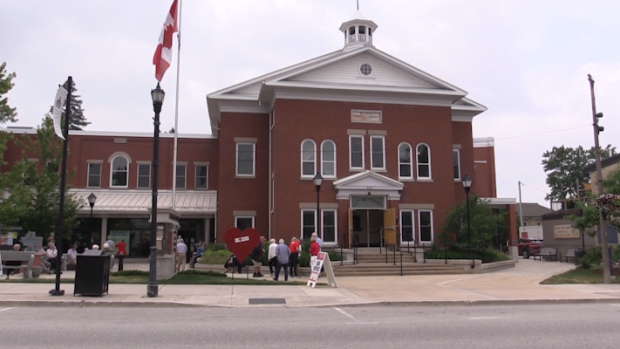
(372, 263)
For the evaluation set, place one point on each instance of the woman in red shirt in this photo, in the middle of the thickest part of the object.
(314, 251)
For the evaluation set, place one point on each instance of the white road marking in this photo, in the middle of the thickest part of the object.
(484, 318)
(346, 314)
(5, 309)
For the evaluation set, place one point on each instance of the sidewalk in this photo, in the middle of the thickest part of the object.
(517, 285)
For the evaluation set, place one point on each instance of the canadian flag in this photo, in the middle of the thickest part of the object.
(163, 54)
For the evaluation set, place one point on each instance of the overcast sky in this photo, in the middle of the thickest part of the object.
(526, 60)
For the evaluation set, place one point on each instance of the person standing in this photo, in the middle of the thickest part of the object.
(318, 241)
(257, 257)
(181, 255)
(110, 243)
(282, 259)
(122, 248)
(295, 249)
(271, 255)
(314, 250)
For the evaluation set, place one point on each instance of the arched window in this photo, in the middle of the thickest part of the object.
(424, 161)
(308, 158)
(404, 161)
(328, 159)
(119, 172)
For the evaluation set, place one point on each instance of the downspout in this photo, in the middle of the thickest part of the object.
(272, 122)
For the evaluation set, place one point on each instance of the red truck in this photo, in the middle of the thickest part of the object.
(527, 247)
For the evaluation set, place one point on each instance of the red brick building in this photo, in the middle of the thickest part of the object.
(392, 143)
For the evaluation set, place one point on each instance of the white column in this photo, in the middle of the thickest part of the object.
(104, 231)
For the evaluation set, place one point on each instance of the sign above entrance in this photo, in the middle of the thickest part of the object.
(366, 116)
(367, 202)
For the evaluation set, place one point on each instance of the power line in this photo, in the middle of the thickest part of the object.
(529, 186)
(542, 133)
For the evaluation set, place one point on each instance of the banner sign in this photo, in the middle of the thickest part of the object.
(59, 102)
(322, 260)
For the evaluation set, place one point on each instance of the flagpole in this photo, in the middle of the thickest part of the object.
(176, 113)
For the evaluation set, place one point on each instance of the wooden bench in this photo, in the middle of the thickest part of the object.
(18, 256)
(570, 253)
(546, 252)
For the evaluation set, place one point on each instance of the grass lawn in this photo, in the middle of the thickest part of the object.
(185, 278)
(581, 276)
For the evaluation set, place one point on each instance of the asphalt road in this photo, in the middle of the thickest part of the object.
(533, 326)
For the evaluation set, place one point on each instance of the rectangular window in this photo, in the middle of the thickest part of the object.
(308, 223)
(244, 222)
(377, 151)
(201, 177)
(181, 176)
(245, 159)
(356, 152)
(425, 221)
(328, 225)
(94, 175)
(144, 176)
(406, 226)
(456, 162)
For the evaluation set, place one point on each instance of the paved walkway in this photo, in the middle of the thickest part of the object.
(515, 285)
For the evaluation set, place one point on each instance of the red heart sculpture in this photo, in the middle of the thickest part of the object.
(241, 243)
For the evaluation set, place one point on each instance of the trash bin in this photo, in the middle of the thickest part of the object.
(92, 274)
(579, 253)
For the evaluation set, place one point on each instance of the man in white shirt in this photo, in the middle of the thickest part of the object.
(318, 241)
(181, 255)
(271, 256)
(51, 254)
(110, 243)
(72, 255)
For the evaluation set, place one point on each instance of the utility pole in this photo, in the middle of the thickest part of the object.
(520, 211)
(599, 183)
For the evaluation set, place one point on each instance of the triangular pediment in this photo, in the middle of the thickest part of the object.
(368, 180)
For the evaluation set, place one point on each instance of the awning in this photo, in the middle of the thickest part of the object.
(139, 201)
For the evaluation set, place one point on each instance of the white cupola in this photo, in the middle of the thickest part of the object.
(358, 31)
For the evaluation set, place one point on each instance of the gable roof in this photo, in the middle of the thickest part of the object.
(258, 94)
(533, 209)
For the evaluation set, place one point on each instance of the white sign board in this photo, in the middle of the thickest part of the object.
(366, 116)
(322, 260)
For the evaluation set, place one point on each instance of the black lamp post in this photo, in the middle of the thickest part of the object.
(158, 99)
(91, 201)
(318, 180)
(467, 185)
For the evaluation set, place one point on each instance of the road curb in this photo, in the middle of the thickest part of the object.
(155, 304)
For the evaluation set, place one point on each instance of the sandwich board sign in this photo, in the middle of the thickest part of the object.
(322, 260)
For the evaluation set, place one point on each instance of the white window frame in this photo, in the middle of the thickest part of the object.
(88, 174)
(403, 163)
(420, 227)
(413, 221)
(244, 217)
(430, 172)
(253, 174)
(335, 226)
(323, 161)
(112, 172)
(351, 153)
(138, 175)
(372, 167)
(301, 162)
(184, 177)
(196, 176)
(301, 220)
(458, 163)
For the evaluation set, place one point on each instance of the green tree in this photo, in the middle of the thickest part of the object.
(37, 185)
(78, 120)
(6, 84)
(564, 167)
(485, 224)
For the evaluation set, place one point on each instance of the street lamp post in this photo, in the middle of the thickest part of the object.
(467, 185)
(91, 201)
(318, 180)
(158, 99)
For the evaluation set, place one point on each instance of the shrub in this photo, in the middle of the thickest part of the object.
(215, 247)
(200, 272)
(486, 255)
(592, 259)
(215, 257)
(130, 273)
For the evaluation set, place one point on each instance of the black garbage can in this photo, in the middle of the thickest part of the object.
(579, 253)
(92, 274)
